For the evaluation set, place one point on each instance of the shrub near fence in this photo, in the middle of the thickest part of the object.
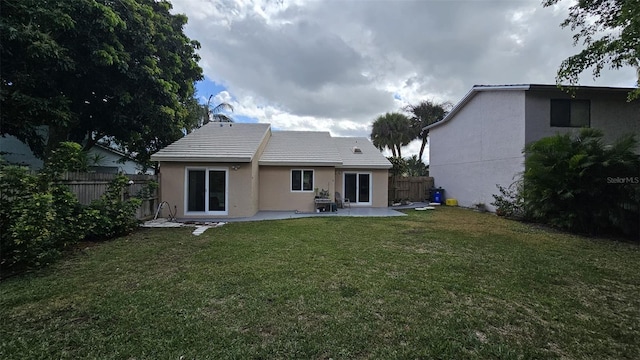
(412, 188)
(40, 216)
(90, 186)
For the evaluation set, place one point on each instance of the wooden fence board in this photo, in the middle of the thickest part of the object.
(90, 186)
(412, 188)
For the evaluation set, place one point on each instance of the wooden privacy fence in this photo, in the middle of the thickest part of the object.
(412, 188)
(90, 186)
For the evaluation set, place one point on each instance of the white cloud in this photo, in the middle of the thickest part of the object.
(337, 65)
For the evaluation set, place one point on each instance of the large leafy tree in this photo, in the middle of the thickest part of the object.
(86, 70)
(392, 131)
(609, 30)
(424, 114)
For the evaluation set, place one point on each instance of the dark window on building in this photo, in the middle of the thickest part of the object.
(570, 113)
(301, 180)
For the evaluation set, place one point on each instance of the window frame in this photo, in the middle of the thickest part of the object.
(570, 103)
(357, 189)
(206, 170)
(302, 172)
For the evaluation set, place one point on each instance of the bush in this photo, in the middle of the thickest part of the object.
(113, 214)
(39, 218)
(31, 239)
(510, 203)
(70, 221)
(25, 217)
(571, 182)
(67, 157)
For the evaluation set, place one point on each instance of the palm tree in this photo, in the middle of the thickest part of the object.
(416, 167)
(424, 114)
(215, 114)
(392, 131)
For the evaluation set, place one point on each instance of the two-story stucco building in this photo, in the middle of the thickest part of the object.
(479, 143)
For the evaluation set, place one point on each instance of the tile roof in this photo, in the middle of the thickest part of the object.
(239, 142)
(369, 157)
(217, 142)
(300, 148)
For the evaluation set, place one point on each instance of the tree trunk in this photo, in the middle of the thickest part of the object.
(91, 142)
(424, 143)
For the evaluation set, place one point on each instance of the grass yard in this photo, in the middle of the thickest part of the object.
(448, 284)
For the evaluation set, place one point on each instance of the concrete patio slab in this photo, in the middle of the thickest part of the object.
(281, 215)
(161, 222)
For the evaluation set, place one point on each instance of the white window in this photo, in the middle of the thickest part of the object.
(301, 180)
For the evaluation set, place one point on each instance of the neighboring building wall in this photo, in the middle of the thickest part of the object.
(101, 160)
(275, 188)
(16, 152)
(480, 147)
(240, 188)
(610, 112)
(380, 185)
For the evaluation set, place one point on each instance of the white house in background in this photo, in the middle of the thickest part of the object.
(479, 143)
(101, 158)
(104, 159)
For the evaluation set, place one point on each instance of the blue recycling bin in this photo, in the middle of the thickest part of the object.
(436, 195)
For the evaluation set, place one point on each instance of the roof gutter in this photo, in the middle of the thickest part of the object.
(474, 90)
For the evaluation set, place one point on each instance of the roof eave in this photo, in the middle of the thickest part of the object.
(230, 159)
(374, 167)
(299, 163)
(474, 90)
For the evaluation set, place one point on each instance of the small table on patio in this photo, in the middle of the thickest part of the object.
(325, 205)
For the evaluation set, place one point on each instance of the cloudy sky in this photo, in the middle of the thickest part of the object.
(336, 65)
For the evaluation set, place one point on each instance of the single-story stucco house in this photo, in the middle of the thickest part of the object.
(230, 170)
(479, 143)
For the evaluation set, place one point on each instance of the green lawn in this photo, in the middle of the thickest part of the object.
(448, 284)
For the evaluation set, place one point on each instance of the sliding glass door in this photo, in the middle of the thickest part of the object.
(206, 191)
(357, 188)
(196, 190)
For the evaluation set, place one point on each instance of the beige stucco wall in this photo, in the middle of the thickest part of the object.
(255, 170)
(275, 188)
(379, 187)
(253, 188)
(242, 185)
